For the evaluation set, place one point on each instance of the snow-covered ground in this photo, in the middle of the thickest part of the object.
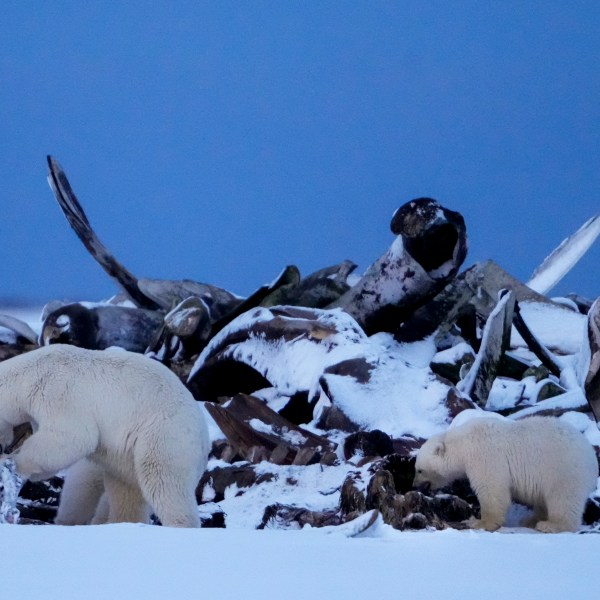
(146, 562)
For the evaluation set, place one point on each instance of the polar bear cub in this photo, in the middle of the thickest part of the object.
(134, 430)
(538, 461)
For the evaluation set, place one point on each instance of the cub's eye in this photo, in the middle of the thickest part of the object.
(419, 471)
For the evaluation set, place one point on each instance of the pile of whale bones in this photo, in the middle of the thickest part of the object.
(337, 369)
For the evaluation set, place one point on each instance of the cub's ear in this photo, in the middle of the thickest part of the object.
(440, 449)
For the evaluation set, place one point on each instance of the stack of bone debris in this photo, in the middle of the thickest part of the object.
(323, 387)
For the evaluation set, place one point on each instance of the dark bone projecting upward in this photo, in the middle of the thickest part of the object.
(79, 222)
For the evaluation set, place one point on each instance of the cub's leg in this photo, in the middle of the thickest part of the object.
(564, 513)
(494, 499)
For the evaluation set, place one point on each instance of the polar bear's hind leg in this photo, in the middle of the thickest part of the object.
(101, 515)
(169, 485)
(126, 503)
(564, 514)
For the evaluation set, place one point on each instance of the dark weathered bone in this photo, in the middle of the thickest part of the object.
(353, 500)
(381, 494)
(400, 465)
(249, 423)
(430, 247)
(9, 350)
(290, 276)
(573, 400)
(408, 509)
(494, 343)
(451, 369)
(168, 292)
(439, 314)
(317, 290)
(79, 222)
(234, 360)
(583, 304)
(146, 293)
(476, 288)
(20, 434)
(592, 380)
(220, 478)
(101, 326)
(190, 317)
(185, 331)
(368, 443)
(534, 344)
(20, 328)
(282, 516)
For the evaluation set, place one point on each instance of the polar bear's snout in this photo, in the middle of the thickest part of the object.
(421, 485)
(429, 481)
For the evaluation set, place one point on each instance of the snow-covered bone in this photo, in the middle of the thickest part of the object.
(10, 484)
(561, 260)
(494, 343)
(592, 380)
(305, 350)
(430, 248)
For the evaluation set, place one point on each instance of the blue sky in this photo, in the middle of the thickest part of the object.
(220, 141)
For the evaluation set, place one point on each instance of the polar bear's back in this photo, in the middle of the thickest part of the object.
(555, 446)
(130, 383)
(531, 432)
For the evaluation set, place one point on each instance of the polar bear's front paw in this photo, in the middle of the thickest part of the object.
(488, 525)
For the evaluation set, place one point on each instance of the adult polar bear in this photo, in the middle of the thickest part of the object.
(538, 461)
(116, 414)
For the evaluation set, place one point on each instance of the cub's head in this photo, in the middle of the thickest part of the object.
(431, 467)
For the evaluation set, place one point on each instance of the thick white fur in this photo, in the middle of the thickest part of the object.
(538, 461)
(124, 423)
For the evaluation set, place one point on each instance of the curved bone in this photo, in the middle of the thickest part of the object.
(561, 260)
(79, 222)
(592, 380)
(20, 328)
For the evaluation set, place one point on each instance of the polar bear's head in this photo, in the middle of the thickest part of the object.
(434, 468)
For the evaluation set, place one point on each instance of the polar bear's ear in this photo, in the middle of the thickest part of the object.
(440, 449)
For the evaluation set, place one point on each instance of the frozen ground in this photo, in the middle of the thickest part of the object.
(139, 561)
